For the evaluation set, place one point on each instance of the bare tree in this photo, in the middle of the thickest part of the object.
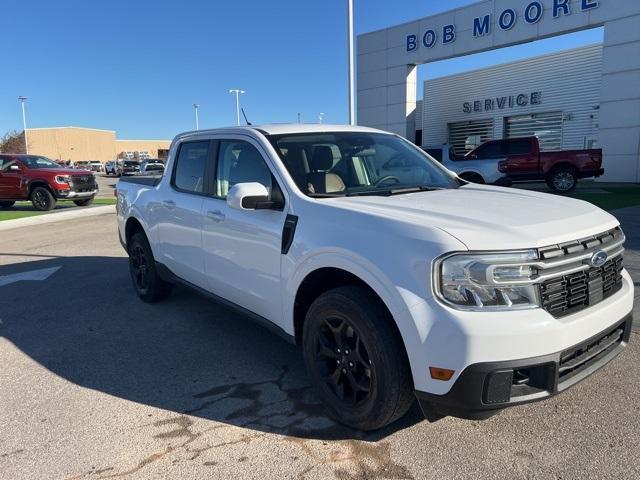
(12, 142)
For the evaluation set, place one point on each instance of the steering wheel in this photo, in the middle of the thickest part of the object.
(386, 178)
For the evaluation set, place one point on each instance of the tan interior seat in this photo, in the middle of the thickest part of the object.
(320, 180)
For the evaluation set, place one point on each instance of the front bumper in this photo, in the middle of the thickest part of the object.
(72, 195)
(482, 389)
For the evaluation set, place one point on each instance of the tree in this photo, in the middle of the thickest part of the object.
(12, 142)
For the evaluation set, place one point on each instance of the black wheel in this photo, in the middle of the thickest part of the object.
(42, 200)
(562, 179)
(84, 203)
(6, 204)
(142, 267)
(472, 177)
(356, 360)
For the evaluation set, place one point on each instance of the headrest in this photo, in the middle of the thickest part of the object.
(322, 158)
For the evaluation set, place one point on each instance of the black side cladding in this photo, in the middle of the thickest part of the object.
(288, 232)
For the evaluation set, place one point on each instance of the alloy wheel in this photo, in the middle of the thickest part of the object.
(139, 268)
(343, 362)
(563, 181)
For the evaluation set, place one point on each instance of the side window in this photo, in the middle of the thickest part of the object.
(518, 147)
(490, 150)
(240, 162)
(189, 168)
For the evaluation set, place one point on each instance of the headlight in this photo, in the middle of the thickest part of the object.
(492, 281)
(63, 179)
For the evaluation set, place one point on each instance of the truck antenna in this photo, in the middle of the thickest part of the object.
(245, 117)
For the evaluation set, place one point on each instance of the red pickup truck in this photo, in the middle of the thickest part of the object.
(524, 162)
(43, 181)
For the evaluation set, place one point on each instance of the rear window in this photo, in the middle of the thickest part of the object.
(518, 147)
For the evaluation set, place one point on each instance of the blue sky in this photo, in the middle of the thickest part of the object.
(137, 66)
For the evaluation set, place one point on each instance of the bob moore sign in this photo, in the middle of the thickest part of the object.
(500, 103)
(532, 13)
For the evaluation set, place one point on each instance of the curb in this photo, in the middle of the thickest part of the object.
(56, 217)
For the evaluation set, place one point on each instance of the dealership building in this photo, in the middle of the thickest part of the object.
(76, 143)
(587, 97)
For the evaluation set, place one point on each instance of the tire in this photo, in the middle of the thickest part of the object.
(8, 204)
(84, 203)
(42, 200)
(144, 275)
(562, 179)
(472, 177)
(372, 357)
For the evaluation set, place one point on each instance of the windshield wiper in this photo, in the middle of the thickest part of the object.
(325, 195)
(393, 191)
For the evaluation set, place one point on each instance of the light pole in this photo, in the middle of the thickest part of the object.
(352, 98)
(238, 92)
(320, 117)
(24, 123)
(195, 107)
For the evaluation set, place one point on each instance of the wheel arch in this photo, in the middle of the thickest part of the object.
(39, 182)
(563, 164)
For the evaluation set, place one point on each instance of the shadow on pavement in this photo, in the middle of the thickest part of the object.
(186, 354)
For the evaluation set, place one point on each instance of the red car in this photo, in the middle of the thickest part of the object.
(43, 181)
(524, 162)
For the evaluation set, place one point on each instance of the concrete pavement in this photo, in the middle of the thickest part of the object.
(95, 384)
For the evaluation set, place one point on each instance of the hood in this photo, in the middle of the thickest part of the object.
(62, 171)
(491, 218)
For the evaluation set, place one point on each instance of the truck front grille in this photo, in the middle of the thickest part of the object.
(569, 284)
(83, 183)
(570, 293)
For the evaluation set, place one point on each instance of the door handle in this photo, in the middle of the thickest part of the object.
(216, 215)
(169, 203)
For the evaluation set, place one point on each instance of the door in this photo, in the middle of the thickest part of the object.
(10, 180)
(179, 214)
(523, 160)
(242, 248)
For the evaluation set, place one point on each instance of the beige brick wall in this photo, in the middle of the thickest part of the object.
(72, 143)
(75, 143)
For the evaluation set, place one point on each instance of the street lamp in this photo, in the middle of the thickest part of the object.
(352, 98)
(24, 123)
(238, 92)
(195, 107)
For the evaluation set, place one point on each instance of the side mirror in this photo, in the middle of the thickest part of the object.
(249, 196)
(14, 168)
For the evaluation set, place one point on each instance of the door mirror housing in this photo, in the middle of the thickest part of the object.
(14, 168)
(249, 196)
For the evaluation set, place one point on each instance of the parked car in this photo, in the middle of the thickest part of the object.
(82, 164)
(44, 182)
(469, 169)
(111, 167)
(96, 166)
(524, 162)
(397, 279)
(151, 167)
(129, 167)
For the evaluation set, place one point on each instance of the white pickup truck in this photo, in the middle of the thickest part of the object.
(398, 279)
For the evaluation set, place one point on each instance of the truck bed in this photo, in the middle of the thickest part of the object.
(147, 180)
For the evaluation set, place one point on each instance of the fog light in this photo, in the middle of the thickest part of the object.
(443, 374)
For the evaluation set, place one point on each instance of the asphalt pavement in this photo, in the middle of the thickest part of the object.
(95, 384)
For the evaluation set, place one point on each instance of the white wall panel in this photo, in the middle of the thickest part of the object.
(568, 81)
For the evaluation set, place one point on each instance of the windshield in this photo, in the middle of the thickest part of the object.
(34, 162)
(358, 163)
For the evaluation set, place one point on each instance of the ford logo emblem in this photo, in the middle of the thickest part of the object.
(598, 259)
